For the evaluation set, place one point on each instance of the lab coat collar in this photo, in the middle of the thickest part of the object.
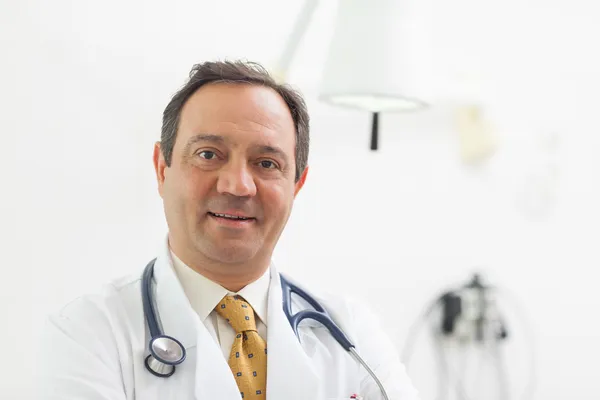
(175, 313)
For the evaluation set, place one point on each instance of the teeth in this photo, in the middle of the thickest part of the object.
(229, 216)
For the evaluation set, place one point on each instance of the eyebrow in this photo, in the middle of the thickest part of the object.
(203, 137)
(263, 149)
(212, 138)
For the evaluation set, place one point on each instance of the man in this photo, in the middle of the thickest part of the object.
(232, 157)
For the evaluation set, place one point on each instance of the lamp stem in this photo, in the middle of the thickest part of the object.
(375, 131)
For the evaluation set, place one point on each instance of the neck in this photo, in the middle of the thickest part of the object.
(231, 276)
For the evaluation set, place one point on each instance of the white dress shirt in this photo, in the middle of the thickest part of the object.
(204, 294)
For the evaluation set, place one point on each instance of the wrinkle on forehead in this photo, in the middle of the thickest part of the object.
(223, 108)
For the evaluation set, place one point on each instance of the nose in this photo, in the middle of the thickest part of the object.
(236, 180)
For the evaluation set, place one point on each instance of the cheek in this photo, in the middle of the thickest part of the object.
(187, 189)
(276, 199)
(197, 182)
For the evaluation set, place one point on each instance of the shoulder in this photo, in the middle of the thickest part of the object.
(99, 310)
(102, 297)
(86, 343)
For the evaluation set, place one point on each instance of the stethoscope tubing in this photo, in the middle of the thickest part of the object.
(288, 288)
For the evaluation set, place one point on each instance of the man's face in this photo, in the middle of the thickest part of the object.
(230, 188)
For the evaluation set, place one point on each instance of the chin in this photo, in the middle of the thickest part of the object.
(233, 254)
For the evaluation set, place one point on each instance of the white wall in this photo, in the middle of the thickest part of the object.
(83, 87)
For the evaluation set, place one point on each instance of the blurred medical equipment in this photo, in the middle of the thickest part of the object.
(476, 135)
(467, 320)
(167, 352)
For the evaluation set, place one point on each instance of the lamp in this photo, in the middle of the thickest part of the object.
(369, 65)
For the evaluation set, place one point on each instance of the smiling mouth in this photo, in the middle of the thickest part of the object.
(230, 217)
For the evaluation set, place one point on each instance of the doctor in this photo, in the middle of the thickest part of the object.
(231, 159)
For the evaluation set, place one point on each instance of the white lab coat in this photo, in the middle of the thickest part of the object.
(94, 349)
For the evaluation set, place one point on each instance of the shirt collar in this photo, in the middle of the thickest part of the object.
(204, 294)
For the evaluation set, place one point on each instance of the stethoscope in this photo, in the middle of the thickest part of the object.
(166, 352)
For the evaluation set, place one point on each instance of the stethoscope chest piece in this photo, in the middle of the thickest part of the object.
(165, 353)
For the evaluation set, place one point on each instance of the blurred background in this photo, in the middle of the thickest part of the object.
(496, 173)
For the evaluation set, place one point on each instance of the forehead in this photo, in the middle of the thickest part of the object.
(241, 113)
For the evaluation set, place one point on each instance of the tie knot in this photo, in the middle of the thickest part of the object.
(237, 312)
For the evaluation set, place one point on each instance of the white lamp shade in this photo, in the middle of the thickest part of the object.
(369, 64)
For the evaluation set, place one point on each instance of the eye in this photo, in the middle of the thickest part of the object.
(268, 164)
(207, 154)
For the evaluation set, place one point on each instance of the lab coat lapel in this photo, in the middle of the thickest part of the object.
(214, 379)
(175, 313)
(290, 373)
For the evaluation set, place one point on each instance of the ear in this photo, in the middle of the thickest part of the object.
(301, 181)
(159, 167)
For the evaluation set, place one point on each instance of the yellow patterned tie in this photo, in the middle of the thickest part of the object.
(248, 357)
